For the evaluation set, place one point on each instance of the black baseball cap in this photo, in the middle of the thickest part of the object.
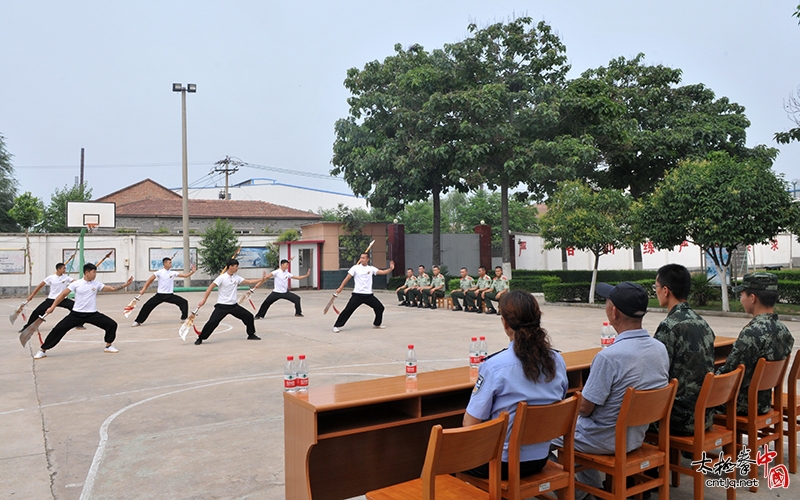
(630, 298)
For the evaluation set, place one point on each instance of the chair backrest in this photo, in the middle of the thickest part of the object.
(767, 375)
(463, 448)
(640, 407)
(722, 389)
(560, 419)
(791, 382)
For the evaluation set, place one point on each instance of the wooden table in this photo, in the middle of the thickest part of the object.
(346, 439)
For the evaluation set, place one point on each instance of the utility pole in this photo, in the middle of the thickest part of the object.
(228, 166)
(81, 166)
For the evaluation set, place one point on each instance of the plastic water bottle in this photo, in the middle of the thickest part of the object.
(474, 354)
(289, 375)
(411, 362)
(302, 374)
(605, 335)
(483, 349)
(612, 335)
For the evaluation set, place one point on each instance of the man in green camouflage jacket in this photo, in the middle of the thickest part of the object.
(434, 289)
(499, 287)
(763, 337)
(466, 283)
(689, 342)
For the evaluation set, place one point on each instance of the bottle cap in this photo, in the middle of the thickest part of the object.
(474, 339)
(410, 346)
(483, 338)
(302, 356)
(605, 323)
(289, 358)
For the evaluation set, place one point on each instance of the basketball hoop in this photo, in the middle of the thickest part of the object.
(91, 226)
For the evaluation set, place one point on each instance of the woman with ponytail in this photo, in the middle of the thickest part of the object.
(528, 370)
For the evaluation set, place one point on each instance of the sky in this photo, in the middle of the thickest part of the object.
(269, 75)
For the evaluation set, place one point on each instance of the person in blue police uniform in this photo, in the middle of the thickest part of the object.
(528, 370)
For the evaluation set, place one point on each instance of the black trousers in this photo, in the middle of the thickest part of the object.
(356, 299)
(525, 469)
(275, 296)
(41, 308)
(159, 299)
(222, 310)
(74, 319)
(430, 298)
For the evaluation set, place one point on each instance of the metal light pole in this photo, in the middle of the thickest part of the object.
(191, 87)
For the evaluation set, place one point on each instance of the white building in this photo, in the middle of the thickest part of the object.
(272, 191)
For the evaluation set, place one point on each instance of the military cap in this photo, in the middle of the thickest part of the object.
(757, 281)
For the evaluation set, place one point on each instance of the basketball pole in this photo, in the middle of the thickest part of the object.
(80, 256)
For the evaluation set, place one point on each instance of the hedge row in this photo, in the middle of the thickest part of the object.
(608, 276)
(531, 284)
(579, 292)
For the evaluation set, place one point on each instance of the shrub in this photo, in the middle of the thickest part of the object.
(395, 282)
(532, 284)
(608, 276)
(701, 292)
(217, 246)
(454, 283)
(567, 292)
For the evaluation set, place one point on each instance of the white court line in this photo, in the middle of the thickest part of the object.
(88, 485)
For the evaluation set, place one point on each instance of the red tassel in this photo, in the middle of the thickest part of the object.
(335, 310)
(198, 332)
(24, 317)
(252, 305)
(40, 337)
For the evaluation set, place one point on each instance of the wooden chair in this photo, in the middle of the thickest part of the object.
(716, 390)
(561, 418)
(762, 429)
(638, 408)
(451, 451)
(791, 412)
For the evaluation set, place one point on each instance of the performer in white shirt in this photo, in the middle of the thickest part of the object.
(166, 284)
(57, 283)
(362, 292)
(281, 290)
(228, 283)
(84, 310)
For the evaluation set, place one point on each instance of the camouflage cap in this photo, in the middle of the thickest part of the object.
(758, 281)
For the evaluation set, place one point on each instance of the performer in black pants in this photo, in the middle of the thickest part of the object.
(57, 282)
(228, 282)
(281, 290)
(362, 292)
(84, 311)
(166, 284)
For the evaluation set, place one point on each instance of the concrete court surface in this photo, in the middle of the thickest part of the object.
(165, 419)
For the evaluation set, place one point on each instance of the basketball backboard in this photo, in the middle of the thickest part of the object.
(85, 213)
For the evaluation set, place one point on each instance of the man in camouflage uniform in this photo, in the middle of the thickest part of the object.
(499, 287)
(689, 342)
(763, 337)
(415, 293)
(466, 283)
(403, 292)
(484, 284)
(434, 289)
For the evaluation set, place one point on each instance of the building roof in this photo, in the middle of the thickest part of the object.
(147, 189)
(212, 209)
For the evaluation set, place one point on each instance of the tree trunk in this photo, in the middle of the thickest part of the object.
(437, 230)
(637, 257)
(594, 278)
(30, 261)
(504, 225)
(722, 273)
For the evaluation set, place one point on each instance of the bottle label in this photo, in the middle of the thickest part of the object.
(302, 381)
(474, 359)
(411, 368)
(289, 382)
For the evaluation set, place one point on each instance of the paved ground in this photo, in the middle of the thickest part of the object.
(167, 419)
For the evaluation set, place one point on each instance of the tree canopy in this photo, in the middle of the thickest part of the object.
(55, 215)
(218, 244)
(8, 189)
(720, 204)
(28, 211)
(584, 218)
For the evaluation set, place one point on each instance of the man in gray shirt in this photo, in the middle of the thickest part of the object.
(634, 360)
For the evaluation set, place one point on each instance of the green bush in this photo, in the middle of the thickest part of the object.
(789, 292)
(607, 276)
(532, 284)
(454, 283)
(701, 292)
(788, 275)
(568, 292)
(395, 282)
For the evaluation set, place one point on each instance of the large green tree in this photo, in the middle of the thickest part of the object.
(594, 220)
(218, 244)
(27, 212)
(395, 146)
(720, 204)
(511, 127)
(55, 216)
(663, 123)
(8, 189)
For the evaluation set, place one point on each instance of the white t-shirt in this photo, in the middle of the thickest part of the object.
(227, 288)
(85, 295)
(166, 280)
(57, 284)
(281, 280)
(362, 275)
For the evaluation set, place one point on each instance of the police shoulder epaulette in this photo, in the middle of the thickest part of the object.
(495, 353)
